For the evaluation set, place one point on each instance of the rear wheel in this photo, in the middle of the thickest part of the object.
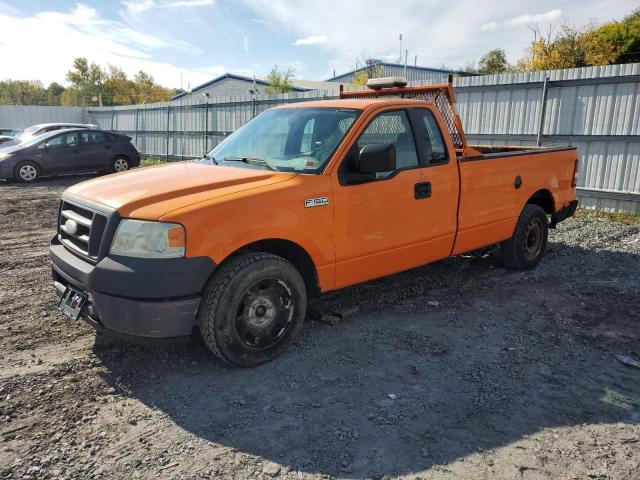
(253, 309)
(120, 164)
(524, 250)
(27, 172)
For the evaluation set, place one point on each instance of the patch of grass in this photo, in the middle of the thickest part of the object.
(618, 399)
(624, 218)
(150, 162)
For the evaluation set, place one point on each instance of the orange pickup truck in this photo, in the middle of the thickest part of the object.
(303, 199)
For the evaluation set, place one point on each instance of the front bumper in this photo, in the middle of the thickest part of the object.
(135, 297)
(7, 168)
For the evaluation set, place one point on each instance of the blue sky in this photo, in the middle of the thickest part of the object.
(201, 39)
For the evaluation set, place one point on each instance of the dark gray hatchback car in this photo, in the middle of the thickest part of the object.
(68, 151)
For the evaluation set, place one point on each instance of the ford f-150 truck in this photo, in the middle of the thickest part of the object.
(303, 199)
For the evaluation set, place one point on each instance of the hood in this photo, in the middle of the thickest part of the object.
(10, 146)
(161, 189)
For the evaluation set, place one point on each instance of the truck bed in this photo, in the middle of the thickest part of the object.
(495, 185)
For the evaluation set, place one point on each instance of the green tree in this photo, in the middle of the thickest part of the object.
(22, 92)
(119, 90)
(494, 61)
(87, 79)
(571, 48)
(279, 81)
(53, 93)
(625, 35)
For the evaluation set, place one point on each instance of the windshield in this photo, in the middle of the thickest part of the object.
(30, 130)
(286, 139)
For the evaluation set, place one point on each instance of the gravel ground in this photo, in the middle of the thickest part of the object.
(455, 370)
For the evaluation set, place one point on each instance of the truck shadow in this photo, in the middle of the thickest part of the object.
(441, 362)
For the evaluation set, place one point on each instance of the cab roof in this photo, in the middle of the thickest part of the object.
(357, 103)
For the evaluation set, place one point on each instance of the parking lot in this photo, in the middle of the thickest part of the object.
(456, 370)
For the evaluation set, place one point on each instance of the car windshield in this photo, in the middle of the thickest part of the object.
(286, 139)
(30, 130)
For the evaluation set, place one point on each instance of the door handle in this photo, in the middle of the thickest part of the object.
(107, 147)
(422, 190)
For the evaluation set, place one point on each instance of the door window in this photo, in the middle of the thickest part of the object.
(67, 140)
(92, 137)
(435, 143)
(392, 127)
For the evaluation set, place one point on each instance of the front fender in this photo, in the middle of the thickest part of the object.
(222, 226)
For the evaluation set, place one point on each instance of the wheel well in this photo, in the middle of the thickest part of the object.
(294, 253)
(544, 199)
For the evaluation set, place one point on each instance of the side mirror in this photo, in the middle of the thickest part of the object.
(42, 146)
(376, 158)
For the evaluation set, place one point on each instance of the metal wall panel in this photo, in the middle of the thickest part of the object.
(22, 116)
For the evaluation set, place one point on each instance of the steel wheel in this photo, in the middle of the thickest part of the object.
(264, 313)
(526, 247)
(533, 239)
(120, 165)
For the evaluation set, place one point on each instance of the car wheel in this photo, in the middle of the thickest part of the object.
(253, 309)
(120, 164)
(27, 172)
(524, 250)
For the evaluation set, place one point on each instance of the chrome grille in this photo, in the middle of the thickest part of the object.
(80, 229)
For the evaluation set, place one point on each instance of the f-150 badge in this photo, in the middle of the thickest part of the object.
(316, 202)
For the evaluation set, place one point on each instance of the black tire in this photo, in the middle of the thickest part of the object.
(27, 172)
(524, 250)
(120, 164)
(252, 309)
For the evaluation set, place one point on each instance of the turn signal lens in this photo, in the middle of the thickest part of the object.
(177, 237)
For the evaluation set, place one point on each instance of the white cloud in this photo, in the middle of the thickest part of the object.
(260, 21)
(138, 6)
(43, 47)
(552, 16)
(311, 40)
(438, 34)
(215, 70)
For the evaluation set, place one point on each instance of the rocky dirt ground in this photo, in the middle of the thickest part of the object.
(456, 370)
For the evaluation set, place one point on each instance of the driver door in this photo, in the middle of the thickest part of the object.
(400, 219)
(62, 152)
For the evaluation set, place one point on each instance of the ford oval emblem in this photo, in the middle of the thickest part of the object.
(71, 227)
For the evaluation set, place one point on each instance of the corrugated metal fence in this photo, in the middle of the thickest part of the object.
(22, 116)
(596, 109)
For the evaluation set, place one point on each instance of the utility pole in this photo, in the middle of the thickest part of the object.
(400, 57)
(406, 54)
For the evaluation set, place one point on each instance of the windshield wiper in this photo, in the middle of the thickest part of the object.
(251, 161)
(206, 156)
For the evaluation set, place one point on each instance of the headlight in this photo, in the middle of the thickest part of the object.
(138, 238)
(5, 156)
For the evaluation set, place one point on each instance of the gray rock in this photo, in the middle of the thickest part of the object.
(272, 469)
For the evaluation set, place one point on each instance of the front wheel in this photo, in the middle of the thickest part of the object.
(253, 309)
(120, 164)
(524, 250)
(27, 172)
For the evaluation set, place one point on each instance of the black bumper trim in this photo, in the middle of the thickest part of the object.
(138, 319)
(139, 278)
(564, 213)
